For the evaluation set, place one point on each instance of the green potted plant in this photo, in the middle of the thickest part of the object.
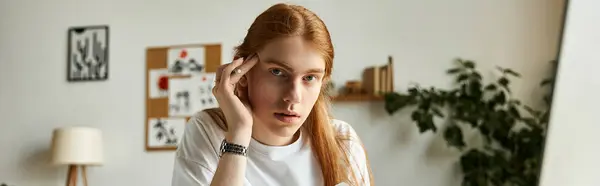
(512, 133)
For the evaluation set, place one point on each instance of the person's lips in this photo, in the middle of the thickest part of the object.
(287, 116)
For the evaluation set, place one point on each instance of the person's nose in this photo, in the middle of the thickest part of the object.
(293, 93)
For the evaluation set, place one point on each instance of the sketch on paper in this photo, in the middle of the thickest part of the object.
(165, 132)
(185, 61)
(180, 97)
(204, 97)
(88, 53)
(190, 95)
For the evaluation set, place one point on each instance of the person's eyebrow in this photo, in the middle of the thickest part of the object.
(288, 68)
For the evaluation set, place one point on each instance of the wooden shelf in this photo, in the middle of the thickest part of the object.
(357, 97)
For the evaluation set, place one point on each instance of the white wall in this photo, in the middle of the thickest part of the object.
(426, 35)
(572, 151)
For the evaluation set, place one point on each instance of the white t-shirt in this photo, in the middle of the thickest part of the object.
(197, 158)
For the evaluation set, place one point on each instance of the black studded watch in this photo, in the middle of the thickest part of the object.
(227, 147)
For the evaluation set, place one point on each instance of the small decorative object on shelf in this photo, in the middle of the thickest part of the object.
(353, 87)
(376, 81)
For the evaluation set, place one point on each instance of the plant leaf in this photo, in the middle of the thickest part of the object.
(485, 132)
(511, 72)
(462, 77)
(513, 110)
(514, 102)
(424, 121)
(474, 161)
(436, 111)
(530, 122)
(491, 87)
(475, 89)
(454, 71)
(503, 81)
(469, 64)
(395, 102)
(546, 82)
(476, 75)
(532, 111)
(500, 98)
(454, 137)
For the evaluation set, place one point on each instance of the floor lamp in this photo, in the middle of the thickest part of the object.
(77, 147)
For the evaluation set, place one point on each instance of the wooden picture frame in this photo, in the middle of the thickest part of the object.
(179, 82)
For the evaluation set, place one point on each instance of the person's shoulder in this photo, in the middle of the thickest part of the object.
(344, 128)
(200, 141)
(357, 153)
(205, 124)
(206, 119)
(202, 117)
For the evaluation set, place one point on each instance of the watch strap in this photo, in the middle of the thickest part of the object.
(233, 148)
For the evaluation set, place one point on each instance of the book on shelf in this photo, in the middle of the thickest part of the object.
(379, 79)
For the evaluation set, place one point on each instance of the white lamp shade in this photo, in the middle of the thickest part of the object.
(77, 146)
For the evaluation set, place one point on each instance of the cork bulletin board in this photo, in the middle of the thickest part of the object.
(179, 81)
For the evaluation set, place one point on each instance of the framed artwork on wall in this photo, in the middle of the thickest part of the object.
(87, 55)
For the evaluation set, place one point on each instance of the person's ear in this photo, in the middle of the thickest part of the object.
(243, 81)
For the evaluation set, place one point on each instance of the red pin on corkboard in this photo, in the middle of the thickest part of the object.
(158, 84)
(183, 54)
(163, 83)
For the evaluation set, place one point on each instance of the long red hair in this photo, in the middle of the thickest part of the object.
(329, 147)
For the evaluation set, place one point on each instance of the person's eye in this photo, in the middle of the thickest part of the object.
(276, 72)
(310, 78)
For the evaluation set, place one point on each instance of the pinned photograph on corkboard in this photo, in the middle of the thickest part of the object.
(179, 82)
(87, 57)
(191, 94)
(203, 85)
(185, 61)
(165, 132)
(179, 97)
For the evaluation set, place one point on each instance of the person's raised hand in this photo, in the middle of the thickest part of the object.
(237, 111)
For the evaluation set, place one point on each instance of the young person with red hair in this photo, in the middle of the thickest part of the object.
(273, 126)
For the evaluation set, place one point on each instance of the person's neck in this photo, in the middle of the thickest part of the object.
(263, 136)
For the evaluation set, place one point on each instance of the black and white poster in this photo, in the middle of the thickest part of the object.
(88, 53)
